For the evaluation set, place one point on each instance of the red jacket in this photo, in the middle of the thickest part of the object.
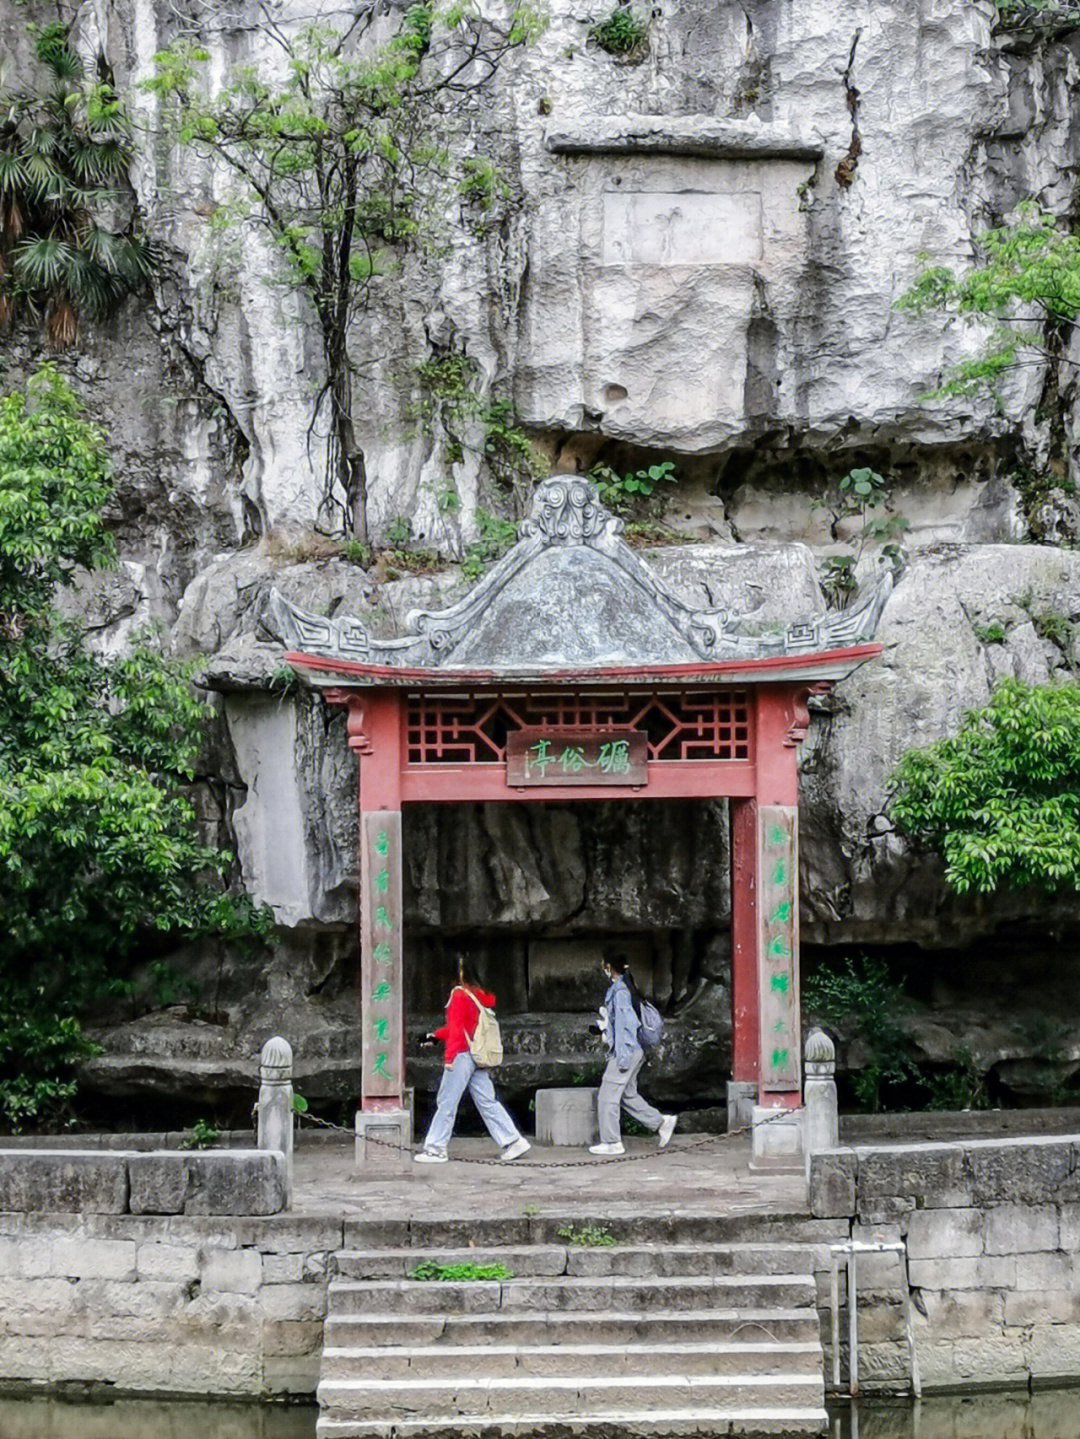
(461, 1017)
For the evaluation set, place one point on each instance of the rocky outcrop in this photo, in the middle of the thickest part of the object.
(696, 258)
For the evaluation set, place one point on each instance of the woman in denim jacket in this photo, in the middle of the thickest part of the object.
(618, 1088)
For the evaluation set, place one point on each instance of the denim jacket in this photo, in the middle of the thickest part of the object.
(623, 1024)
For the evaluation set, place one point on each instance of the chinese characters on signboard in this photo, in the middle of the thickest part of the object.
(571, 757)
(778, 939)
(382, 1057)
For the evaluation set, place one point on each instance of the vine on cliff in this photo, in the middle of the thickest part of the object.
(345, 162)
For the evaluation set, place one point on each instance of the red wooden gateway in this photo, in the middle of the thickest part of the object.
(572, 672)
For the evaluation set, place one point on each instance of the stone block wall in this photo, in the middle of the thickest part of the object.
(992, 1230)
(73, 1181)
(179, 1305)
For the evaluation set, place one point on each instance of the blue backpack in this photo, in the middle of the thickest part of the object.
(651, 1028)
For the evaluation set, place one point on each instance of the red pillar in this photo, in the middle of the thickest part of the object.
(375, 735)
(764, 905)
(744, 960)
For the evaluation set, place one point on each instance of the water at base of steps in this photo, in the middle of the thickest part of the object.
(1010, 1414)
(1046, 1414)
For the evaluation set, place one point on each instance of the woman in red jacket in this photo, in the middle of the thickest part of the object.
(462, 1073)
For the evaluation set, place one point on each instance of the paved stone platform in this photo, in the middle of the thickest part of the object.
(695, 1175)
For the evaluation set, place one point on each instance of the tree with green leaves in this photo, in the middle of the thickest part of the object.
(99, 850)
(1000, 800)
(1026, 283)
(343, 156)
(65, 148)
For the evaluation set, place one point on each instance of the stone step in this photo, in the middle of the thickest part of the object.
(364, 1328)
(639, 1260)
(457, 1233)
(505, 1397)
(754, 1423)
(405, 1296)
(536, 1360)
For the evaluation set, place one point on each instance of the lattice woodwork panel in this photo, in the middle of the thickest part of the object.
(679, 725)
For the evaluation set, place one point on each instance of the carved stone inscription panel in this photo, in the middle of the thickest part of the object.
(681, 227)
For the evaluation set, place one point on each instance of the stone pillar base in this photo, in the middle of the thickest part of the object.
(567, 1117)
(777, 1141)
(741, 1098)
(383, 1140)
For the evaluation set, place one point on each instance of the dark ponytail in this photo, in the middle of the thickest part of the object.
(618, 962)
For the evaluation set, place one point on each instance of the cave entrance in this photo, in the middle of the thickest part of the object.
(570, 673)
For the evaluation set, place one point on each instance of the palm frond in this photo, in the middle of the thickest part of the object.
(12, 173)
(98, 161)
(42, 262)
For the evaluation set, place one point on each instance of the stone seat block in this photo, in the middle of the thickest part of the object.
(566, 1118)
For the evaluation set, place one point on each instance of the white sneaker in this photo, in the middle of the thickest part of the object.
(667, 1129)
(606, 1149)
(429, 1156)
(519, 1147)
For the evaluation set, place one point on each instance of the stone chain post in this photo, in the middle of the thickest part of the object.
(821, 1114)
(276, 1105)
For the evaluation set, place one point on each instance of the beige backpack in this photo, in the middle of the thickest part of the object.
(485, 1043)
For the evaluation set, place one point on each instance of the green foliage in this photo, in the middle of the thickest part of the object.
(864, 497)
(589, 1236)
(496, 537)
(862, 1004)
(961, 1087)
(994, 633)
(342, 155)
(40, 1051)
(639, 493)
(283, 680)
(1030, 264)
(623, 33)
(450, 402)
(1049, 17)
(98, 840)
(399, 531)
(169, 986)
(299, 1104)
(616, 490)
(481, 183)
(457, 1273)
(1052, 625)
(1000, 800)
(65, 147)
(204, 1135)
(357, 553)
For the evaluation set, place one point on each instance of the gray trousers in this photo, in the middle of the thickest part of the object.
(619, 1087)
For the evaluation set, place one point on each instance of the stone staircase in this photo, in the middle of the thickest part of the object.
(703, 1334)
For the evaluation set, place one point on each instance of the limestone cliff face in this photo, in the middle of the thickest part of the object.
(697, 258)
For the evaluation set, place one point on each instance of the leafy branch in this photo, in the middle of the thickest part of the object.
(344, 163)
(1026, 281)
(1000, 799)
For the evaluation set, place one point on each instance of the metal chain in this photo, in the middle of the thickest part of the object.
(698, 1143)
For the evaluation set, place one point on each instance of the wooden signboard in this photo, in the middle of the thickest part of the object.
(567, 757)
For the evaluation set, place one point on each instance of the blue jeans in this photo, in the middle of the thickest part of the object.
(458, 1077)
